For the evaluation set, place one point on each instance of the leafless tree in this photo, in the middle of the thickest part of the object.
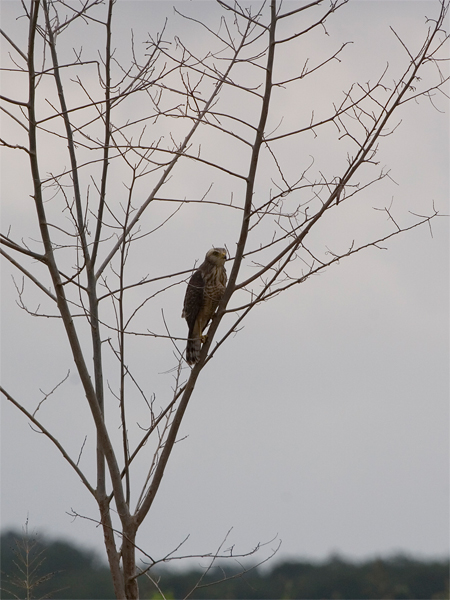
(109, 141)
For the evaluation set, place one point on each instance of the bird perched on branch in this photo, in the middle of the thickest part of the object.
(203, 294)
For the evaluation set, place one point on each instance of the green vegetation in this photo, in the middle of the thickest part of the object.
(63, 571)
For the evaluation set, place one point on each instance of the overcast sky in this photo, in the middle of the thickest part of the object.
(324, 422)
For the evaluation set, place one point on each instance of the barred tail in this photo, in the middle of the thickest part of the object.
(193, 348)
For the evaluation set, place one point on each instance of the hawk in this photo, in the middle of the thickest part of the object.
(203, 294)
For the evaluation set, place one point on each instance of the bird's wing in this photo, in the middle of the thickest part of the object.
(193, 300)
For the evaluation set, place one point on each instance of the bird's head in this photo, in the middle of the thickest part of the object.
(217, 256)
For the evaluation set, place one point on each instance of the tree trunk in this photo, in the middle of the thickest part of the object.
(111, 551)
(129, 563)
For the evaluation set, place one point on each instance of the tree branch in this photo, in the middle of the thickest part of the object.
(51, 438)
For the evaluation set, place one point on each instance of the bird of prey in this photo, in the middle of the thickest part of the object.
(203, 294)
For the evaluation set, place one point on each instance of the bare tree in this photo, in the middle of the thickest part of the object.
(110, 140)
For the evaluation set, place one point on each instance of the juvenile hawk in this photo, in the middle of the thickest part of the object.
(203, 294)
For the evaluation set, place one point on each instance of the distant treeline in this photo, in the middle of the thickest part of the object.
(60, 570)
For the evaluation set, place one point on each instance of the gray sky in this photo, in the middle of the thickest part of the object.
(324, 421)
